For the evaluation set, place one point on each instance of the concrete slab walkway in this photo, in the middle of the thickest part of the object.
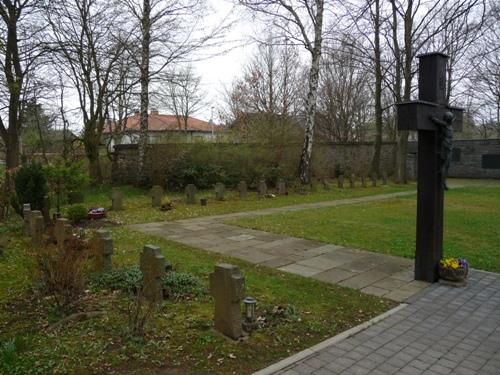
(443, 330)
(376, 274)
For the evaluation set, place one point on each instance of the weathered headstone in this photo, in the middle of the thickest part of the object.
(26, 218)
(62, 231)
(227, 286)
(262, 188)
(326, 185)
(363, 181)
(37, 226)
(433, 118)
(340, 180)
(153, 270)
(242, 189)
(103, 247)
(156, 195)
(374, 179)
(281, 187)
(219, 191)
(190, 194)
(116, 199)
(384, 178)
(352, 180)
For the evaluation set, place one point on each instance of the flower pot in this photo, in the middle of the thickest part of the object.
(450, 274)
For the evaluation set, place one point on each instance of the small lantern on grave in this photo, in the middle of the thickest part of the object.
(249, 323)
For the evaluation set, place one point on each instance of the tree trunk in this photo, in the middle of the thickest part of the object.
(375, 166)
(142, 178)
(92, 143)
(402, 141)
(305, 157)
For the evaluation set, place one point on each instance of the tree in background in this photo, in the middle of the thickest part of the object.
(301, 21)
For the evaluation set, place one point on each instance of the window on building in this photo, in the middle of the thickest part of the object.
(490, 161)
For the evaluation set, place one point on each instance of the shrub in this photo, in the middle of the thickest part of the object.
(77, 213)
(129, 280)
(31, 187)
(61, 274)
(126, 279)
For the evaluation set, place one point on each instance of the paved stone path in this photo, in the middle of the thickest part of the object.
(442, 331)
(376, 274)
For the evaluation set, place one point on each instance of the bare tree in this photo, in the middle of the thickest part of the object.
(344, 102)
(87, 46)
(302, 22)
(21, 49)
(181, 94)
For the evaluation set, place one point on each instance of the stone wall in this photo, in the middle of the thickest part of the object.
(476, 158)
(328, 158)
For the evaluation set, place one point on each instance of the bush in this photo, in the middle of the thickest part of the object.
(129, 280)
(126, 279)
(31, 187)
(61, 274)
(77, 213)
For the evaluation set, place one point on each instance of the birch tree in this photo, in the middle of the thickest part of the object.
(302, 22)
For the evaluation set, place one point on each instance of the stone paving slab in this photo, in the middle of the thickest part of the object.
(443, 330)
(375, 274)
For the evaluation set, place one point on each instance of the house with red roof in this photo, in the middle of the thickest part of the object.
(161, 129)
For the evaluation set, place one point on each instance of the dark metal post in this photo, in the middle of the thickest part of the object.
(432, 88)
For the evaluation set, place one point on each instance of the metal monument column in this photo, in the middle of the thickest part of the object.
(424, 115)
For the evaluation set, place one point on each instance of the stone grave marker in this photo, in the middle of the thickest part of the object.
(434, 120)
(326, 185)
(219, 191)
(281, 187)
(374, 179)
(26, 218)
(227, 286)
(62, 231)
(242, 189)
(340, 180)
(384, 178)
(103, 247)
(190, 194)
(352, 180)
(156, 195)
(262, 188)
(153, 269)
(37, 226)
(116, 199)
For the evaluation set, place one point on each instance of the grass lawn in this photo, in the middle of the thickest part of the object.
(137, 202)
(179, 339)
(472, 225)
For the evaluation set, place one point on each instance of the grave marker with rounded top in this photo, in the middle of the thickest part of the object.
(384, 178)
(427, 116)
(340, 181)
(190, 191)
(262, 188)
(62, 231)
(26, 218)
(326, 185)
(156, 195)
(103, 246)
(281, 185)
(352, 180)
(37, 227)
(116, 199)
(227, 286)
(242, 188)
(219, 191)
(152, 265)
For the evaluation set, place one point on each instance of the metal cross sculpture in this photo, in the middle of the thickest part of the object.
(435, 121)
